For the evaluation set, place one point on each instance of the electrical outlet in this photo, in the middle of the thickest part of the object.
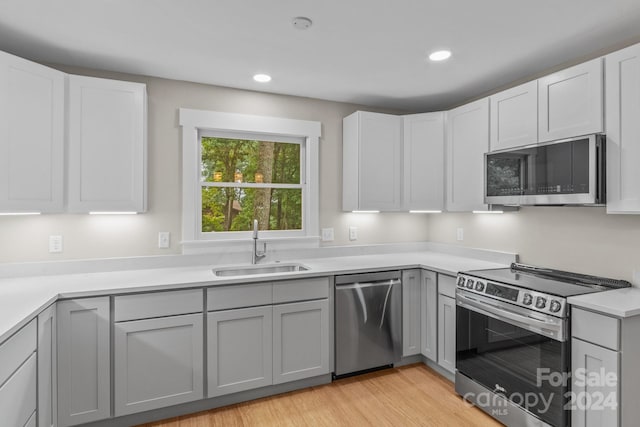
(55, 244)
(353, 233)
(327, 234)
(164, 239)
(460, 234)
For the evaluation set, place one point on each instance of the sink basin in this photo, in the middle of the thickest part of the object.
(258, 269)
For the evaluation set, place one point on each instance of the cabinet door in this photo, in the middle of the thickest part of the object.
(371, 161)
(410, 312)
(18, 395)
(84, 369)
(300, 340)
(593, 361)
(423, 165)
(623, 130)
(429, 315)
(158, 362)
(571, 102)
(447, 332)
(47, 401)
(467, 141)
(107, 145)
(239, 350)
(514, 117)
(31, 136)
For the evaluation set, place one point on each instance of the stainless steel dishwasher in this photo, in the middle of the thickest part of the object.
(368, 321)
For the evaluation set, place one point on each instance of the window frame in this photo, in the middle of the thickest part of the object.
(198, 123)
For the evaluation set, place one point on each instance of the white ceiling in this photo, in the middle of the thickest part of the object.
(370, 52)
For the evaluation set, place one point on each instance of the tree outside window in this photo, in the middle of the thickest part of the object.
(243, 180)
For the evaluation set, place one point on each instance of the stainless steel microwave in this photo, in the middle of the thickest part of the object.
(565, 172)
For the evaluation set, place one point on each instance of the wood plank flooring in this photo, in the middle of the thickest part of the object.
(412, 395)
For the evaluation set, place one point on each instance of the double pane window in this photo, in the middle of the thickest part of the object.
(244, 178)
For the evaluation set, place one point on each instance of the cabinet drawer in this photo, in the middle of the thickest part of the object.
(300, 290)
(595, 328)
(17, 349)
(447, 285)
(157, 304)
(18, 395)
(237, 296)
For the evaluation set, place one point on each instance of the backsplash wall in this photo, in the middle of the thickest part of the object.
(580, 239)
(85, 236)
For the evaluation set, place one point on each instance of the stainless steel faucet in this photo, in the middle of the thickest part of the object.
(257, 255)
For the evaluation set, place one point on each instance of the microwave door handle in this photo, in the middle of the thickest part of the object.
(551, 330)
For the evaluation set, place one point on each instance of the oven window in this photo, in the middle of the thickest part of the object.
(513, 362)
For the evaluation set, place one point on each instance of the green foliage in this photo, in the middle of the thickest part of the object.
(233, 208)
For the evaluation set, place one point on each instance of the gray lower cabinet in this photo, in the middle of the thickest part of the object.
(300, 340)
(447, 332)
(83, 359)
(158, 362)
(18, 377)
(239, 349)
(411, 312)
(47, 396)
(604, 363)
(429, 315)
(594, 403)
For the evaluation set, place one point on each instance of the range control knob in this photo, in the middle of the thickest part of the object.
(461, 282)
(527, 299)
(555, 306)
(470, 283)
(541, 302)
(479, 286)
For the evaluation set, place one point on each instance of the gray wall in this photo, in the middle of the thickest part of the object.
(581, 239)
(578, 239)
(85, 236)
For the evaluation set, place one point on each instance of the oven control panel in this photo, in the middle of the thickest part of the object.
(527, 298)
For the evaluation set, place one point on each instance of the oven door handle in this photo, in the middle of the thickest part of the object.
(554, 329)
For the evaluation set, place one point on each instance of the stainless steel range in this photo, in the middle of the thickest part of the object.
(512, 335)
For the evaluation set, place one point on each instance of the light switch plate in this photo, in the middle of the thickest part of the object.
(460, 234)
(327, 234)
(55, 244)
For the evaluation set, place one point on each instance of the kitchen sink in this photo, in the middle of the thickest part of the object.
(258, 269)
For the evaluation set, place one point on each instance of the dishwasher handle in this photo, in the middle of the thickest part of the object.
(379, 276)
(359, 285)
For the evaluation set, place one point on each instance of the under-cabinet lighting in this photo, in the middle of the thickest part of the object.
(19, 213)
(488, 212)
(365, 211)
(425, 212)
(112, 213)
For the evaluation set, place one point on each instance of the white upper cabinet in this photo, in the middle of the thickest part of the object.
(514, 117)
(467, 142)
(371, 161)
(623, 130)
(571, 102)
(31, 136)
(423, 165)
(107, 145)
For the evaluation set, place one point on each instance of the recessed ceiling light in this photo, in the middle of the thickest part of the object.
(440, 55)
(262, 78)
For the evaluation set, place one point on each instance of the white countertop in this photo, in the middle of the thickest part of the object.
(22, 298)
(619, 302)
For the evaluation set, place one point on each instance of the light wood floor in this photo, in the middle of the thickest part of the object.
(413, 395)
